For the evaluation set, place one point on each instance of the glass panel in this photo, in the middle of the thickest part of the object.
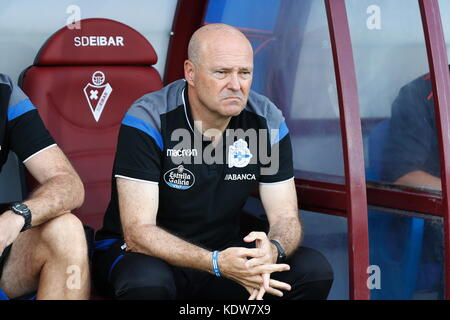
(397, 105)
(328, 234)
(23, 32)
(294, 68)
(409, 253)
(444, 7)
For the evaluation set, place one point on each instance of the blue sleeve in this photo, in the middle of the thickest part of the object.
(26, 132)
(280, 167)
(412, 140)
(138, 154)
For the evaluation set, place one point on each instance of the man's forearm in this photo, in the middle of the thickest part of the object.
(156, 242)
(288, 232)
(421, 179)
(59, 194)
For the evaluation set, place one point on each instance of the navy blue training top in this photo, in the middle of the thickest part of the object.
(412, 141)
(21, 129)
(202, 188)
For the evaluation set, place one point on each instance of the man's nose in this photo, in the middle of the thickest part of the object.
(234, 83)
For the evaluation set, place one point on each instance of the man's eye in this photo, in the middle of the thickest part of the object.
(220, 74)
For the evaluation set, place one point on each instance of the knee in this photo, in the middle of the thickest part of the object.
(314, 290)
(310, 265)
(144, 281)
(64, 235)
(312, 273)
(145, 293)
(147, 287)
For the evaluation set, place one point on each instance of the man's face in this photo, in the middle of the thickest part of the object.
(224, 75)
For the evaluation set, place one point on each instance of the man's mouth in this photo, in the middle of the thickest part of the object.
(232, 98)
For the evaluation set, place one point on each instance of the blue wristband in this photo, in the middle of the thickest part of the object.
(215, 263)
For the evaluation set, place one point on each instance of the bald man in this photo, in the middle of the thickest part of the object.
(188, 157)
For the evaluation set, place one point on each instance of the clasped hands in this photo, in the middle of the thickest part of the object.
(252, 268)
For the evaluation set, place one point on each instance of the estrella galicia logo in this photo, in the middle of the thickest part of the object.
(179, 178)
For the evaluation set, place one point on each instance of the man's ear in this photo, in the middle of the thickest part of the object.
(189, 72)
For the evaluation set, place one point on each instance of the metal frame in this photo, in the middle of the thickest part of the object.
(355, 181)
(312, 195)
(188, 17)
(437, 59)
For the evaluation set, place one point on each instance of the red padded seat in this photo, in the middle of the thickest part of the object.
(82, 82)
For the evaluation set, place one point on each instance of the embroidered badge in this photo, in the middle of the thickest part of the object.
(239, 154)
(97, 94)
(179, 178)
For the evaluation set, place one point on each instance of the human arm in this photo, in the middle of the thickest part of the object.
(279, 198)
(60, 191)
(421, 179)
(280, 203)
(138, 204)
(410, 155)
(60, 188)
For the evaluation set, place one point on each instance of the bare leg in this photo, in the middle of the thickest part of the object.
(52, 259)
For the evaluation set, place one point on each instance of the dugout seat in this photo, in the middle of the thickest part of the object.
(82, 83)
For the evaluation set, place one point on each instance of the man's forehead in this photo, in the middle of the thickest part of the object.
(210, 32)
(223, 55)
(225, 66)
(216, 39)
(225, 43)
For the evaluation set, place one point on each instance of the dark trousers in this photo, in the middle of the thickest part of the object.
(127, 275)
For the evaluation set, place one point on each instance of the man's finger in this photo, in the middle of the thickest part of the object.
(255, 262)
(253, 295)
(279, 285)
(252, 253)
(266, 281)
(270, 268)
(260, 293)
(274, 292)
(254, 281)
(252, 236)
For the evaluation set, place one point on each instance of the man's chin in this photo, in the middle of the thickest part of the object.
(232, 110)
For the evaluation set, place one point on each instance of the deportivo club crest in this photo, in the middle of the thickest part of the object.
(239, 155)
(97, 94)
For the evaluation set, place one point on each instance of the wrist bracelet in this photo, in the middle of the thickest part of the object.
(215, 263)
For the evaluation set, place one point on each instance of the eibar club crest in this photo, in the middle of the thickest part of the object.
(97, 94)
(239, 155)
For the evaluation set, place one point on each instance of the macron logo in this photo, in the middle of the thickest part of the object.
(98, 41)
(181, 153)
